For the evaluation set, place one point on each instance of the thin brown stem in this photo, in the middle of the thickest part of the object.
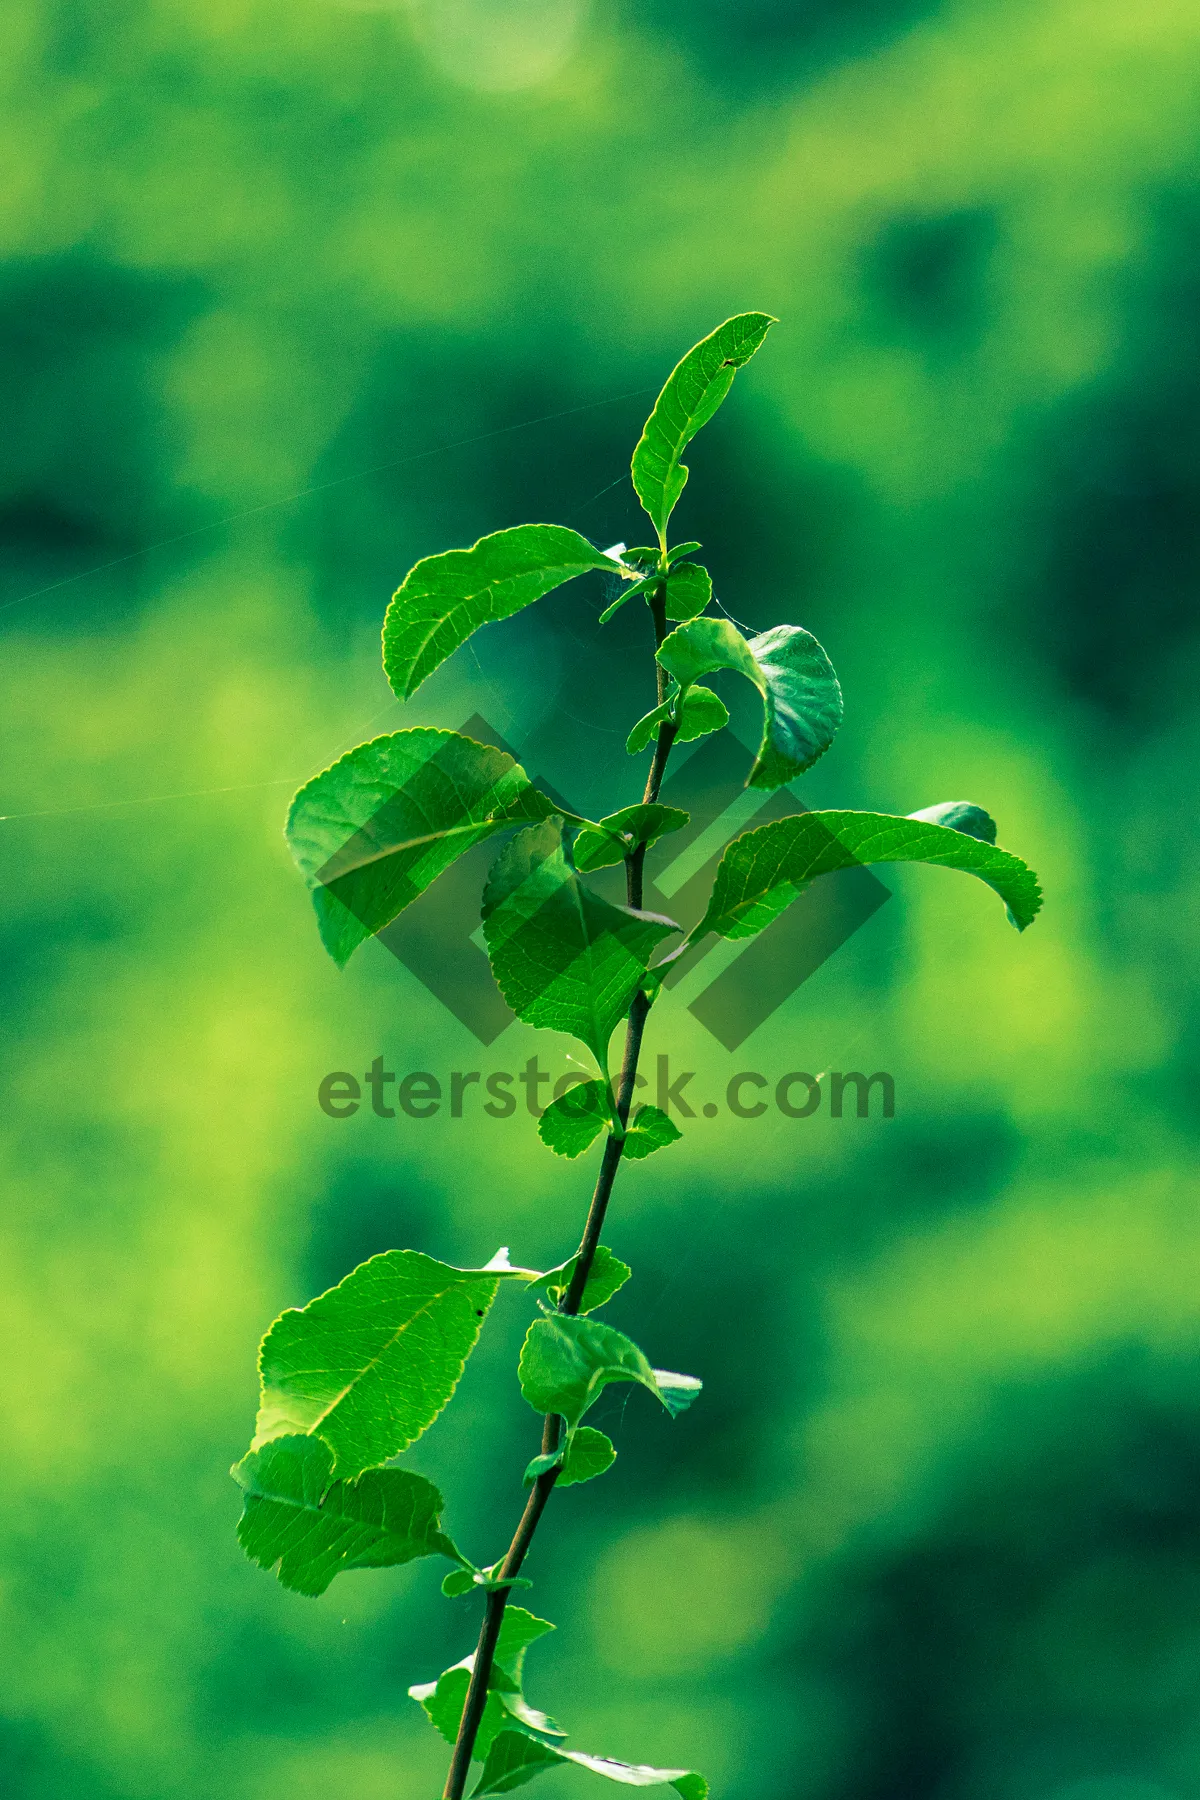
(552, 1429)
(493, 1618)
(638, 1011)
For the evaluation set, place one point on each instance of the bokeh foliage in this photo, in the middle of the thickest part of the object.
(283, 287)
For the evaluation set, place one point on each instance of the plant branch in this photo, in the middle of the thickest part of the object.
(497, 1600)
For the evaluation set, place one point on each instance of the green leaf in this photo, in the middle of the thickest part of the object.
(611, 838)
(638, 587)
(701, 711)
(589, 1454)
(491, 1578)
(606, 1275)
(510, 1726)
(585, 1454)
(649, 1130)
(444, 1699)
(518, 1631)
(464, 1580)
(445, 598)
(693, 392)
(674, 554)
(647, 727)
(542, 1465)
(685, 1781)
(762, 871)
(368, 1365)
(575, 1120)
(802, 701)
(372, 832)
(961, 815)
(514, 1759)
(563, 957)
(566, 1363)
(458, 1582)
(689, 590)
(676, 1392)
(297, 1517)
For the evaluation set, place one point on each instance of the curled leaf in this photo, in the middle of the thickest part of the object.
(802, 700)
(566, 1363)
(542, 1465)
(676, 1392)
(458, 1582)
(961, 815)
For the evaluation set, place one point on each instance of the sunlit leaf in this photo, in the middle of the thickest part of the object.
(676, 1392)
(611, 839)
(298, 1518)
(368, 1365)
(700, 712)
(445, 1698)
(542, 1465)
(563, 957)
(509, 1722)
(961, 815)
(575, 1120)
(689, 590)
(445, 598)
(589, 1454)
(514, 1759)
(372, 832)
(647, 728)
(631, 592)
(693, 392)
(606, 1275)
(802, 701)
(458, 1582)
(649, 1130)
(764, 870)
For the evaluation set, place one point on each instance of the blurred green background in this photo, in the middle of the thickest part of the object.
(294, 293)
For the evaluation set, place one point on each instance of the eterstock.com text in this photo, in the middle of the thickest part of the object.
(472, 1094)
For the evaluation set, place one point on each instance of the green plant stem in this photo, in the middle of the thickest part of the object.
(635, 864)
(497, 1600)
